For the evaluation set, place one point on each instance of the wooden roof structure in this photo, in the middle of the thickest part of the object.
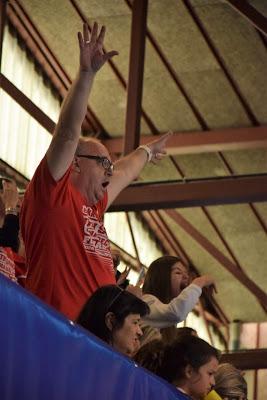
(197, 68)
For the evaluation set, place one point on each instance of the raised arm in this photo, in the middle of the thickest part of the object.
(164, 315)
(128, 168)
(65, 139)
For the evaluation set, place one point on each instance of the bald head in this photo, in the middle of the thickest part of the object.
(90, 144)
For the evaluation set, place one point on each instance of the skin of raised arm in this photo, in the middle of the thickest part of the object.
(129, 167)
(65, 139)
(10, 196)
(205, 281)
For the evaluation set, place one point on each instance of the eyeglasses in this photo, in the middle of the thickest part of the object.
(106, 163)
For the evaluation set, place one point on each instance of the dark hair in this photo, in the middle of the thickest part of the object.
(172, 333)
(187, 350)
(150, 356)
(158, 278)
(106, 299)
(169, 361)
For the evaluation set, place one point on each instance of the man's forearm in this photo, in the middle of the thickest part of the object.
(74, 107)
(132, 164)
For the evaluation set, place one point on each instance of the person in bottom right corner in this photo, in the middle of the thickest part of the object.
(230, 383)
(189, 363)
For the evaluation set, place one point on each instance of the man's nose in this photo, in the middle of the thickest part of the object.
(109, 172)
(139, 331)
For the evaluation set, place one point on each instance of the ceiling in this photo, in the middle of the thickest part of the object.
(204, 78)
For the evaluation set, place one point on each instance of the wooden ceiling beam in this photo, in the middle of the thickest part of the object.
(216, 53)
(246, 360)
(204, 141)
(45, 57)
(159, 233)
(258, 20)
(194, 193)
(173, 74)
(128, 258)
(115, 69)
(133, 237)
(27, 104)
(260, 295)
(135, 77)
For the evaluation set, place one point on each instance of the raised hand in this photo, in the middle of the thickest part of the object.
(10, 196)
(205, 281)
(158, 147)
(92, 56)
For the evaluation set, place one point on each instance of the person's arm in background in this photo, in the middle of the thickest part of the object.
(129, 167)
(9, 233)
(66, 136)
(164, 315)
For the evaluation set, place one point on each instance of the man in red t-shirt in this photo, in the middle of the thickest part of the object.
(67, 249)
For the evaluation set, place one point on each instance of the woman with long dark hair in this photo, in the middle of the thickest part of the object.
(170, 295)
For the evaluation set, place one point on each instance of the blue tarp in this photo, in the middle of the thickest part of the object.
(44, 356)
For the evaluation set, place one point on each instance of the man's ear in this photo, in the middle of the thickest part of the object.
(188, 371)
(110, 320)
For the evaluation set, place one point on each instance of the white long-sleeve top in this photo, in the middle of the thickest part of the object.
(164, 315)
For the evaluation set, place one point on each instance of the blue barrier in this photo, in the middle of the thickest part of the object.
(44, 356)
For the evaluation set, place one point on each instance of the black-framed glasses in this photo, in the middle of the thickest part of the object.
(106, 163)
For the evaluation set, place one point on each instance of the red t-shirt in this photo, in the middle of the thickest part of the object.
(21, 269)
(67, 250)
(7, 265)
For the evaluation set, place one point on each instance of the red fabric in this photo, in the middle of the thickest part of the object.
(67, 249)
(7, 265)
(20, 268)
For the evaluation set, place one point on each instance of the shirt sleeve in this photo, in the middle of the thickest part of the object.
(164, 315)
(44, 189)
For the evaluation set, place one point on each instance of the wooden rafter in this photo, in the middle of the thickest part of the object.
(250, 13)
(171, 237)
(153, 225)
(221, 237)
(249, 359)
(199, 192)
(128, 258)
(115, 69)
(46, 58)
(260, 295)
(204, 141)
(173, 74)
(26, 104)
(133, 237)
(234, 84)
(135, 77)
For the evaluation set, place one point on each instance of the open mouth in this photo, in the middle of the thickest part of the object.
(105, 184)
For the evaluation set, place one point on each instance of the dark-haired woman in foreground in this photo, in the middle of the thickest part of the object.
(189, 363)
(114, 315)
